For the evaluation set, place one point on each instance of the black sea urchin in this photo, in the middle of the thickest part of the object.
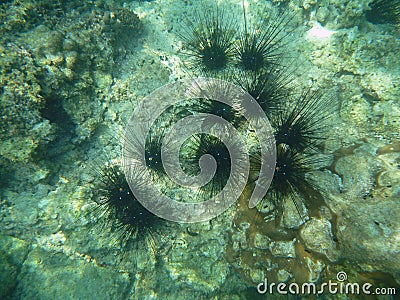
(150, 146)
(262, 46)
(290, 177)
(290, 173)
(153, 151)
(209, 40)
(207, 99)
(269, 88)
(212, 148)
(384, 11)
(203, 144)
(124, 214)
(303, 125)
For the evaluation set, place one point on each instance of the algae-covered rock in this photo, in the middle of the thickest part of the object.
(204, 269)
(318, 237)
(366, 206)
(368, 231)
(15, 18)
(60, 69)
(56, 276)
(358, 170)
(334, 13)
(13, 252)
(261, 241)
(54, 79)
(283, 275)
(315, 267)
(294, 214)
(76, 76)
(20, 103)
(122, 25)
(283, 249)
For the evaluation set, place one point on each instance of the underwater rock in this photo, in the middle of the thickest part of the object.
(205, 268)
(293, 216)
(73, 70)
(13, 252)
(261, 241)
(358, 170)
(45, 275)
(121, 25)
(318, 237)
(283, 249)
(19, 212)
(315, 268)
(336, 13)
(368, 231)
(283, 275)
(257, 275)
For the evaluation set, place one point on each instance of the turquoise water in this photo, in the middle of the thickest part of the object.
(72, 75)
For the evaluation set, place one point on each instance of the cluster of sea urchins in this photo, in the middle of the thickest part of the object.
(251, 58)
